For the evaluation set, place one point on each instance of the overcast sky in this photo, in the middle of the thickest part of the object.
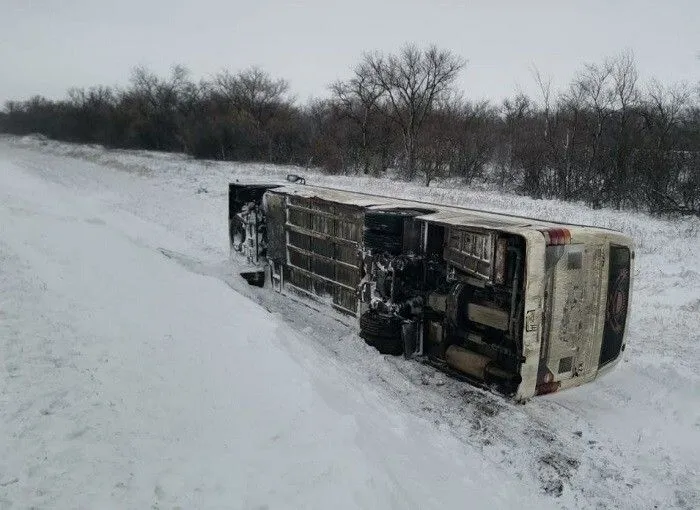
(47, 46)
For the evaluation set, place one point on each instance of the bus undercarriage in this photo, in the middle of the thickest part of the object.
(451, 295)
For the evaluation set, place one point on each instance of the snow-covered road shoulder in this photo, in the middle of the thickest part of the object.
(129, 382)
(134, 379)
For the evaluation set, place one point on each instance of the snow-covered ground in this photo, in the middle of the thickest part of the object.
(138, 370)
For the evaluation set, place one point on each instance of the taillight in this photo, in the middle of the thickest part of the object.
(556, 236)
(545, 388)
(545, 381)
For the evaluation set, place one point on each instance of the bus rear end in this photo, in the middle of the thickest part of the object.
(588, 278)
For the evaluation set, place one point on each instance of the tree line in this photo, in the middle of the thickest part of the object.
(606, 140)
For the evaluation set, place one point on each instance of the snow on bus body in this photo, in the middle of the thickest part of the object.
(529, 305)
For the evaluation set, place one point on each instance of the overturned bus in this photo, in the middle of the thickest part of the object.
(524, 305)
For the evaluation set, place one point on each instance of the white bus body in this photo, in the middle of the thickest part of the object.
(525, 305)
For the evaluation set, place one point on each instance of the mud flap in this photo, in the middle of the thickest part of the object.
(276, 276)
(255, 278)
(409, 335)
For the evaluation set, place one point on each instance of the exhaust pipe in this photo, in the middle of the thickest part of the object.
(477, 365)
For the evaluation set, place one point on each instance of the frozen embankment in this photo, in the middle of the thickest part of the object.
(129, 382)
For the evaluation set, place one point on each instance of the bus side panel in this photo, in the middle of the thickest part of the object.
(275, 205)
(323, 242)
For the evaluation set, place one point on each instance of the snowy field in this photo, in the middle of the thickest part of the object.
(139, 371)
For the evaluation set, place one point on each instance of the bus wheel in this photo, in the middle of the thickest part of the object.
(382, 331)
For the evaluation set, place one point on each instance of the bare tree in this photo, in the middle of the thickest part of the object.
(412, 81)
(572, 107)
(523, 145)
(552, 171)
(358, 99)
(253, 90)
(437, 144)
(254, 94)
(479, 128)
(625, 98)
(664, 160)
(545, 86)
(592, 88)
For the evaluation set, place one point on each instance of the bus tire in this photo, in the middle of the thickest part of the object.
(382, 331)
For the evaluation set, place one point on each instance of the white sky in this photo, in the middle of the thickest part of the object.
(47, 46)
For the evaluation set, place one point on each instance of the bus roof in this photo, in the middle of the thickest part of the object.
(451, 215)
